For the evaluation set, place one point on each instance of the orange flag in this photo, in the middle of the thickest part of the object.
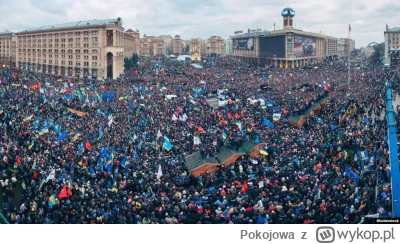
(63, 193)
(88, 146)
(244, 188)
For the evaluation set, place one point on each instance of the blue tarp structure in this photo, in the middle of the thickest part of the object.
(108, 96)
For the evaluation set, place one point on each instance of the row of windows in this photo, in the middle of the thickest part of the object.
(85, 57)
(94, 51)
(85, 45)
(63, 34)
(85, 39)
(85, 64)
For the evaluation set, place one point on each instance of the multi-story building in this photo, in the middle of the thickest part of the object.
(229, 47)
(217, 46)
(205, 47)
(341, 48)
(287, 47)
(8, 49)
(331, 48)
(178, 45)
(131, 43)
(85, 48)
(195, 49)
(392, 46)
(349, 45)
(167, 39)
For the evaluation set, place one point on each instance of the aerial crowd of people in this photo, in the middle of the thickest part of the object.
(77, 150)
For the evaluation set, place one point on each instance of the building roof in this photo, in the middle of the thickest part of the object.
(71, 25)
(394, 29)
(6, 32)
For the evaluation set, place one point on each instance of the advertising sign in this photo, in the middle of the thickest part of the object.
(238, 32)
(243, 43)
(272, 46)
(304, 46)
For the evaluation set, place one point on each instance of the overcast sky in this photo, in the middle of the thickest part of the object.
(205, 18)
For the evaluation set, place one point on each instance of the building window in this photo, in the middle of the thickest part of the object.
(94, 58)
(78, 45)
(86, 57)
(94, 33)
(94, 51)
(69, 50)
(77, 56)
(85, 64)
(69, 56)
(94, 39)
(86, 39)
(63, 56)
(78, 64)
(86, 45)
(94, 45)
(62, 39)
(62, 45)
(77, 33)
(78, 51)
(78, 39)
(94, 64)
(44, 61)
(86, 33)
(62, 62)
(69, 34)
(70, 39)
(56, 56)
(85, 51)
(70, 63)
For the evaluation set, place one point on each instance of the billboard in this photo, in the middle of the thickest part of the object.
(243, 43)
(272, 46)
(304, 46)
(238, 32)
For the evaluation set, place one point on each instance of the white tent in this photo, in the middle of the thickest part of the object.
(183, 57)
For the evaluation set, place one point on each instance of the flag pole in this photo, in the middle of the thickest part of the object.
(348, 58)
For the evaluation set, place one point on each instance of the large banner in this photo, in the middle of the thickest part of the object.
(272, 46)
(304, 46)
(243, 43)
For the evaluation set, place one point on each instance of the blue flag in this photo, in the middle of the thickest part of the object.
(333, 127)
(91, 170)
(62, 136)
(167, 144)
(125, 163)
(268, 123)
(296, 162)
(257, 140)
(36, 124)
(352, 175)
(363, 155)
(100, 132)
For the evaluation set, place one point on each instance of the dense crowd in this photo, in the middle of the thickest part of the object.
(113, 151)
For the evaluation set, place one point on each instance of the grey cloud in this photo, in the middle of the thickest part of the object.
(211, 17)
